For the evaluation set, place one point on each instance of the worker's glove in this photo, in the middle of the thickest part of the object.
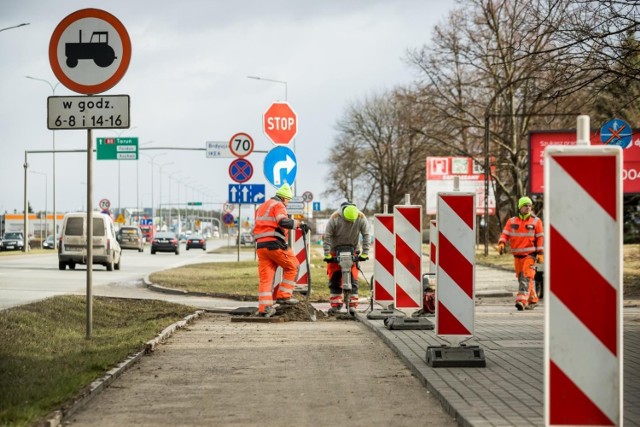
(328, 258)
(363, 257)
(304, 227)
(501, 248)
(540, 259)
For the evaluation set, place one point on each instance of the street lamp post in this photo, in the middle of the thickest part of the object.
(46, 185)
(53, 175)
(170, 203)
(286, 90)
(15, 26)
(138, 182)
(118, 134)
(160, 198)
(153, 210)
(274, 81)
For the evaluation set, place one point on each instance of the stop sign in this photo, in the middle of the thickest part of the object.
(280, 123)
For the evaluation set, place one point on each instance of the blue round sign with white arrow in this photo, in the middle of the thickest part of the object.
(280, 166)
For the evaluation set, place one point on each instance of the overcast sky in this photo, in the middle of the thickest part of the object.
(188, 84)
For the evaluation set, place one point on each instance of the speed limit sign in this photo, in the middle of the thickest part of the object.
(104, 204)
(228, 207)
(241, 144)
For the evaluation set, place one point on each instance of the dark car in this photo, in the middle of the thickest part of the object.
(13, 241)
(165, 242)
(196, 241)
(245, 239)
(49, 243)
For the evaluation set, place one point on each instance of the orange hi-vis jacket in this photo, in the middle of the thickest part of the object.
(268, 216)
(526, 236)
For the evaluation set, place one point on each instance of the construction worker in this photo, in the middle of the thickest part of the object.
(345, 226)
(525, 234)
(271, 231)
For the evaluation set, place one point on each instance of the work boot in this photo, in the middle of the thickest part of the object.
(287, 301)
(531, 306)
(519, 305)
(352, 311)
(268, 312)
(333, 311)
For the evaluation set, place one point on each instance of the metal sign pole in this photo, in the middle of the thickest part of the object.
(89, 232)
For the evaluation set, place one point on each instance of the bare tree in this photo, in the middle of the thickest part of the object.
(375, 148)
(481, 74)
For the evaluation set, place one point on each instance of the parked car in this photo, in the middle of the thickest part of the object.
(165, 242)
(196, 241)
(72, 248)
(49, 243)
(130, 237)
(13, 241)
(245, 239)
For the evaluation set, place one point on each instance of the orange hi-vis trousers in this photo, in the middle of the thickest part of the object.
(525, 272)
(268, 262)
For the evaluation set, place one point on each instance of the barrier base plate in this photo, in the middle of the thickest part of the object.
(244, 311)
(399, 323)
(471, 356)
(378, 314)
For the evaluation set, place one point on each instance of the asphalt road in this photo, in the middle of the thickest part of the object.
(29, 277)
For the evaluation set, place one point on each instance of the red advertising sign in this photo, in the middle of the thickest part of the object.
(441, 172)
(538, 140)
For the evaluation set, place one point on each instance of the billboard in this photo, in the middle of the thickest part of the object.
(440, 174)
(538, 140)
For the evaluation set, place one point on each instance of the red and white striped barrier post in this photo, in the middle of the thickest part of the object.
(408, 256)
(455, 277)
(433, 244)
(583, 276)
(300, 251)
(383, 248)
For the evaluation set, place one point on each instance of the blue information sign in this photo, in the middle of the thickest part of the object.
(280, 166)
(616, 132)
(316, 206)
(246, 194)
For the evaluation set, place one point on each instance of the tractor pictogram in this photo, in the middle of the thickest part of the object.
(97, 48)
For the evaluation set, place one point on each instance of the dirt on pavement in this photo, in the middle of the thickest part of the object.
(293, 373)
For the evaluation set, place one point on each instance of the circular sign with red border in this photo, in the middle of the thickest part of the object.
(241, 144)
(241, 170)
(104, 204)
(89, 51)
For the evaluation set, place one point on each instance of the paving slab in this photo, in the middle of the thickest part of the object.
(509, 390)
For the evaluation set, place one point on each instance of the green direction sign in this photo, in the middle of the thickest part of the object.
(194, 203)
(117, 148)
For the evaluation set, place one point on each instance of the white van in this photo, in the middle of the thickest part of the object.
(72, 248)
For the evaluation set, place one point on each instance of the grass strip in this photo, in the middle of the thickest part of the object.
(45, 358)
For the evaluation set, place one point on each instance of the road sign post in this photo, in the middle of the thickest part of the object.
(90, 65)
(280, 123)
